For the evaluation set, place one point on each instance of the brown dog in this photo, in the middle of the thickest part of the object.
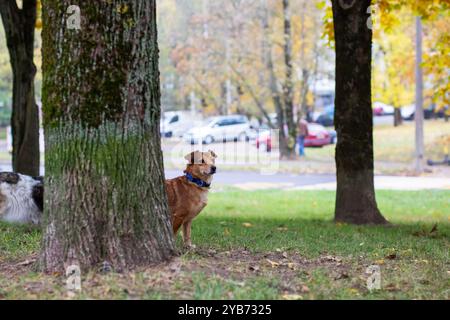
(188, 194)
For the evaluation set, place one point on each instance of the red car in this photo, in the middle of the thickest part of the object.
(318, 136)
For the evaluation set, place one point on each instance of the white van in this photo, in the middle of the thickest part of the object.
(176, 123)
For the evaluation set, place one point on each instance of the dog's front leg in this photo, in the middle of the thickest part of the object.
(187, 234)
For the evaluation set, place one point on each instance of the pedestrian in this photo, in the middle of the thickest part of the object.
(302, 133)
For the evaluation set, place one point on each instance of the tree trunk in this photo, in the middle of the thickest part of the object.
(288, 89)
(355, 194)
(19, 27)
(273, 84)
(305, 72)
(418, 114)
(398, 120)
(105, 197)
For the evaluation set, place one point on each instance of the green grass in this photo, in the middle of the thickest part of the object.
(18, 241)
(272, 245)
(2, 133)
(303, 221)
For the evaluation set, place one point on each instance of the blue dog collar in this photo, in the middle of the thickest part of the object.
(197, 181)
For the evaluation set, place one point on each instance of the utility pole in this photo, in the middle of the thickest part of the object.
(193, 103)
(418, 115)
(205, 10)
(228, 97)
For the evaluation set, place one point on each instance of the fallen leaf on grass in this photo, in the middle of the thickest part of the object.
(353, 291)
(304, 289)
(391, 287)
(424, 233)
(292, 297)
(379, 262)
(282, 229)
(273, 264)
(331, 258)
(291, 265)
(175, 266)
(253, 268)
(247, 224)
(342, 275)
(226, 232)
(391, 256)
(434, 229)
(26, 262)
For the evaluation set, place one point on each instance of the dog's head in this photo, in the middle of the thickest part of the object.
(21, 197)
(201, 164)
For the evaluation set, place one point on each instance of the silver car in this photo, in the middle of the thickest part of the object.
(219, 129)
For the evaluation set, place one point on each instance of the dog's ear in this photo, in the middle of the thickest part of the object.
(213, 154)
(194, 157)
(190, 157)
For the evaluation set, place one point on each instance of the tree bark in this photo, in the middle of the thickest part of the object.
(105, 198)
(398, 120)
(288, 88)
(418, 114)
(19, 27)
(355, 194)
(273, 84)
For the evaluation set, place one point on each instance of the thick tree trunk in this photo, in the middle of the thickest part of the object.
(19, 27)
(355, 194)
(105, 197)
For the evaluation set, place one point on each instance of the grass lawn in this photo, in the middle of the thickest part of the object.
(270, 244)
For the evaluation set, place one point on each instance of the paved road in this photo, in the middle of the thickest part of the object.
(247, 180)
(253, 181)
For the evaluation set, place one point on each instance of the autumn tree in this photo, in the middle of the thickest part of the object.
(426, 11)
(105, 197)
(255, 57)
(355, 194)
(19, 25)
(393, 66)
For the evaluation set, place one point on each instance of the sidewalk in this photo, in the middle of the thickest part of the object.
(393, 183)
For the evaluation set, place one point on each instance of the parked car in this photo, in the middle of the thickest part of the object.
(222, 128)
(333, 136)
(176, 123)
(428, 113)
(382, 109)
(318, 136)
(326, 118)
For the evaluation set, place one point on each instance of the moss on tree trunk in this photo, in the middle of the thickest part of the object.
(355, 195)
(105, 198)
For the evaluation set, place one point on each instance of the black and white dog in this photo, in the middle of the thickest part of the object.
(21, 198)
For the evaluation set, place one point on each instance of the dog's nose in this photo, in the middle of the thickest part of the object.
(213, 169)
